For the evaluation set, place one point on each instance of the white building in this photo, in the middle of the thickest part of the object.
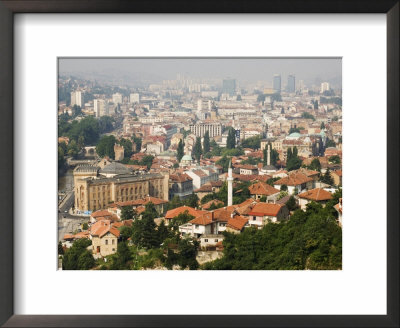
(203, 175)
(199, 129)
(324, 87)
(117, 98)
(77, 98)
(134, 98)
(100, 107)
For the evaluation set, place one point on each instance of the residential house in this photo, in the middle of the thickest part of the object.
(236, 224)
(337, 177)
(202, 175)
(207, 241)
(318, 195)
(262, 213)
(210, 187)
(262, 189)
(104, 238)
(182, 209)
(295, 182)
(102, 215)
(248, 169)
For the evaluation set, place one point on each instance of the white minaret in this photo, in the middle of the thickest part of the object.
(230, 189)
(269, 156)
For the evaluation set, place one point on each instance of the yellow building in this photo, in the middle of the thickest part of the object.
(104, 238)
(96, 188)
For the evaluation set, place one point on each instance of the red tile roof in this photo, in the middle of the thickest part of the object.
(180, 177)
(294, 179)
(103, 213)
(207, 205)
(262, 188)
(237, 222)
(203, 219)
(317, 194)
(176, 211)
(265, 209)
(100, 228)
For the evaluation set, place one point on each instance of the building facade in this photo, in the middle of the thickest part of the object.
(95, 189)
(199, 129)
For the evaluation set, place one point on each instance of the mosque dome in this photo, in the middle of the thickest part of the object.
(187, 158)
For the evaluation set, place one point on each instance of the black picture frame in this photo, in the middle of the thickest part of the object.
(10, 7)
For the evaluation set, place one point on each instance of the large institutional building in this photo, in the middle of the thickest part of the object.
(199, 129)
(96, 187)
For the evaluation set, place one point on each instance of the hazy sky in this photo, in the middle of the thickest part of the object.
(249, 69)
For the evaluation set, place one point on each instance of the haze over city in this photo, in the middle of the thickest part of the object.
(133, 71)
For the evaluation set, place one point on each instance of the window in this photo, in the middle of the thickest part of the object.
(113, 249)
(112, 242)
(106, 241)
(206, 240)
(216, 240)
(254, 218)
(196, 226)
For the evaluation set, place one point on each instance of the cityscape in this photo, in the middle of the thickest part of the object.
(199, 164)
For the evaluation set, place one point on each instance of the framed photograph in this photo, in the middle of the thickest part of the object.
(187, 164)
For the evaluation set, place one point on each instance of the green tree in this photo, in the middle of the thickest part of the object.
(231, 140)
(105, 124)
(197, 151)
(174, 203)
(289, 154)
(85, 261)
(78, 257)
(144, 233)
(291, 203)
(224, 162)
(73, 149)
(327, 178)
(127, 213)
(187, 253)
(81, 142)
(192, 200)
(147, 160)
(335, 159)
(293, 161)
(322, 126)
(163, 232)
(85, 226)
(315, 165)
(105, 146)
(60, 248)
(252, 142)
(284, 187)
(121, 258)
(61, 160)
(127, 144)
(330, 143)
(206, 142)
(293, 130)
(138, 142)
(295, 151)
(307, 115)
(265, 156)
(180, 150)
